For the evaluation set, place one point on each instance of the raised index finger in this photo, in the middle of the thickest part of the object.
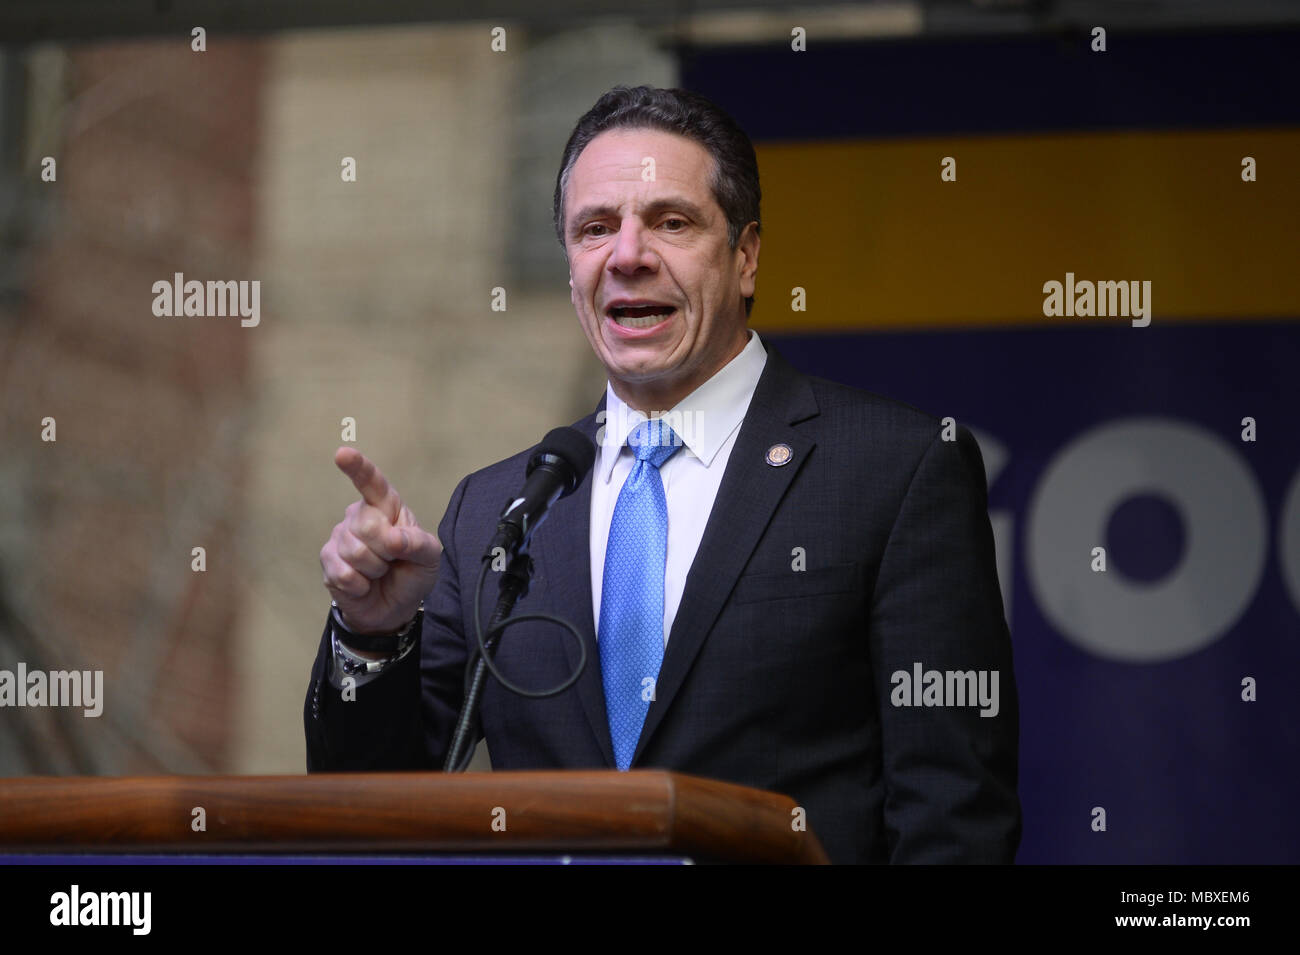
(369, 481)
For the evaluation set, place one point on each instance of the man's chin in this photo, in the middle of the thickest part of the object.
(638, 373)
(654, 373)
(640, 360)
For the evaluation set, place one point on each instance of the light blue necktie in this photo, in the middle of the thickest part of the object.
(631, 635)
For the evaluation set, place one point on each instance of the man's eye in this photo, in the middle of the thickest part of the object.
(594, 225)
(681, 224)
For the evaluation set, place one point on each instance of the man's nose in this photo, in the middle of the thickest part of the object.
(632, 249)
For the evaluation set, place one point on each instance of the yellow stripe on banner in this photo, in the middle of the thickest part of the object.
(877, 240)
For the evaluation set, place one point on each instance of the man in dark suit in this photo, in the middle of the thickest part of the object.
(794, 589)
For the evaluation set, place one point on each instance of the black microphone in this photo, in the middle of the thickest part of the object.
(557, 466)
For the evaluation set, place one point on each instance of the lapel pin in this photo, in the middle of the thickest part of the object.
(779, 454)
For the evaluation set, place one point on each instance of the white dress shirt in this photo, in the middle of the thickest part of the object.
(707, 422)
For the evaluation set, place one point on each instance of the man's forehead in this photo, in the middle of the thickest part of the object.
(640, 155)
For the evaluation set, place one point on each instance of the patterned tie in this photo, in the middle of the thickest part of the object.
(631, 635)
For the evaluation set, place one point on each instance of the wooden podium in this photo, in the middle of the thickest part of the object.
(643, 813)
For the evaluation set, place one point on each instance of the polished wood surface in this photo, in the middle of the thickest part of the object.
(643, 811)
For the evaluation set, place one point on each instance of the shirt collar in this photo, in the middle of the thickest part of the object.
(703, 420)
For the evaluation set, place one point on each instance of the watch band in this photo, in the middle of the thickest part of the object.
(349, 664)
(373, 643)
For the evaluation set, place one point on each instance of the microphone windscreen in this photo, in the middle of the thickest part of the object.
(571, 446)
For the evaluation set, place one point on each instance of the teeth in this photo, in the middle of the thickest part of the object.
(643, 317)
(639, 321)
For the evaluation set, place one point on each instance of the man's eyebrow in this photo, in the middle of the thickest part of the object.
(664, 204)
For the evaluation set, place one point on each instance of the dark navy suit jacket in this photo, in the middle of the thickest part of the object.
(772, 677)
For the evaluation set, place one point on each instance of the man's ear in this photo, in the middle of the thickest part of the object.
(570, 280)
(747, 247)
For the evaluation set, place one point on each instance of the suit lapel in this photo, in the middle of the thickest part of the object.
(749, 494)
(562, 548)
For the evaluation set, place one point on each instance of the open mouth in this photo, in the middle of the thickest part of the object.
(640, 315)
